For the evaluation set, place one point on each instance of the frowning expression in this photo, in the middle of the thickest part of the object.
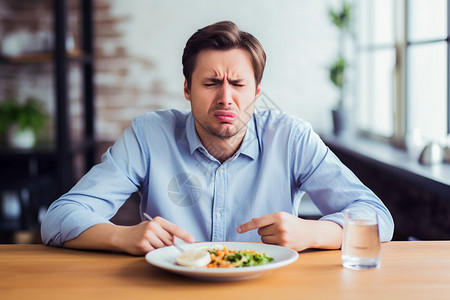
(222, 93)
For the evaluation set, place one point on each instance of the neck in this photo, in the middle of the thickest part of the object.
(221, 148)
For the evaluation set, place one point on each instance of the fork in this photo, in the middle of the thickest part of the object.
(175, 245)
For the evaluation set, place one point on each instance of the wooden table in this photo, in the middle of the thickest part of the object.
(409, 270)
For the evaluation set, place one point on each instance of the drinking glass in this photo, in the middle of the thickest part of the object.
(361, 240)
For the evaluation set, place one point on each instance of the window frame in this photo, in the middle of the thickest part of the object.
(402, 45)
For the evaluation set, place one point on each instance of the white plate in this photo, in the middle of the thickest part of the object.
(165, 258)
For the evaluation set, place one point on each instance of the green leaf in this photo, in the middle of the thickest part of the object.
(337, 72)
(341, 18)
(27, 115)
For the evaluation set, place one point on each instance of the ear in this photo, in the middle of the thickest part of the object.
(187, 93)
(258, 91)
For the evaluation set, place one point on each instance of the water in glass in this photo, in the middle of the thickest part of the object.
(361, 242)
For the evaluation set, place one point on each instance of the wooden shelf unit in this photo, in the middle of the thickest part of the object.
(23, 168)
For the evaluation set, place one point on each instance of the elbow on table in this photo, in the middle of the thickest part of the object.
(49, 235)
(386, 227)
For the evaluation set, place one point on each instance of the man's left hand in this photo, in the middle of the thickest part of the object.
(289, 231)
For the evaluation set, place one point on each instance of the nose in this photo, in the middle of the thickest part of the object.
(225, 96)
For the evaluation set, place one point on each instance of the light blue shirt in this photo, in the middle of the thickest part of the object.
(161, 156)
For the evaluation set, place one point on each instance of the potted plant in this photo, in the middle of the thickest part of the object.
(21, 122)
(338, 69)
(337, 77)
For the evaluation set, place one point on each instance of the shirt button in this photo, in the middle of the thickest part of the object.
(220, 171)
(218, 215)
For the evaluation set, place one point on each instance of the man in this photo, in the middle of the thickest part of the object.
(219, 172)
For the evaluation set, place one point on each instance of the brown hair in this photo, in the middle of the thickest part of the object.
(223, 35)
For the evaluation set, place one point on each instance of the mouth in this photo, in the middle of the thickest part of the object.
(225, 116)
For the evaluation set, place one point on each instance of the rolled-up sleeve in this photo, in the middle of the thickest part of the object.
(333, 187)
(99, 194)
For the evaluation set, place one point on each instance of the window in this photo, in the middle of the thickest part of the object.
(402, 68)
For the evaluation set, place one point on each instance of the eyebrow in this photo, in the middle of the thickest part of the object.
(217, 80)
(213, 79)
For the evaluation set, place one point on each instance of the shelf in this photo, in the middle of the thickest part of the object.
(45, 150)
(13, 153)
(43, 57)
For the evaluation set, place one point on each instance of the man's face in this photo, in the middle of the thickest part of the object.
(222, 93)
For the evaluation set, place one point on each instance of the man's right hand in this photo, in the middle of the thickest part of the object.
(150, 235)
(137, 240)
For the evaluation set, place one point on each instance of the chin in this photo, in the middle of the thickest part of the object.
(225, 132)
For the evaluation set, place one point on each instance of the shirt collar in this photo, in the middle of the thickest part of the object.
(249, 147)
(250, 144)
(192, 137)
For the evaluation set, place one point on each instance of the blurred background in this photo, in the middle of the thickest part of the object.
(370, 75)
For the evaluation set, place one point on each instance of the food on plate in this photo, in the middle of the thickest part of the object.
(229, 258)
(194, 258)
(218, 256)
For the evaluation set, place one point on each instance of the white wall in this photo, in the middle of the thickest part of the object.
(298, 37)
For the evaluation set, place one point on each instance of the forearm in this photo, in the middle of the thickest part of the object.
(102, 236)
(137, 239)
(325, 234)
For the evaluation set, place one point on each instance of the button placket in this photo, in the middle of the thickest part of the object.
(218, 230)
